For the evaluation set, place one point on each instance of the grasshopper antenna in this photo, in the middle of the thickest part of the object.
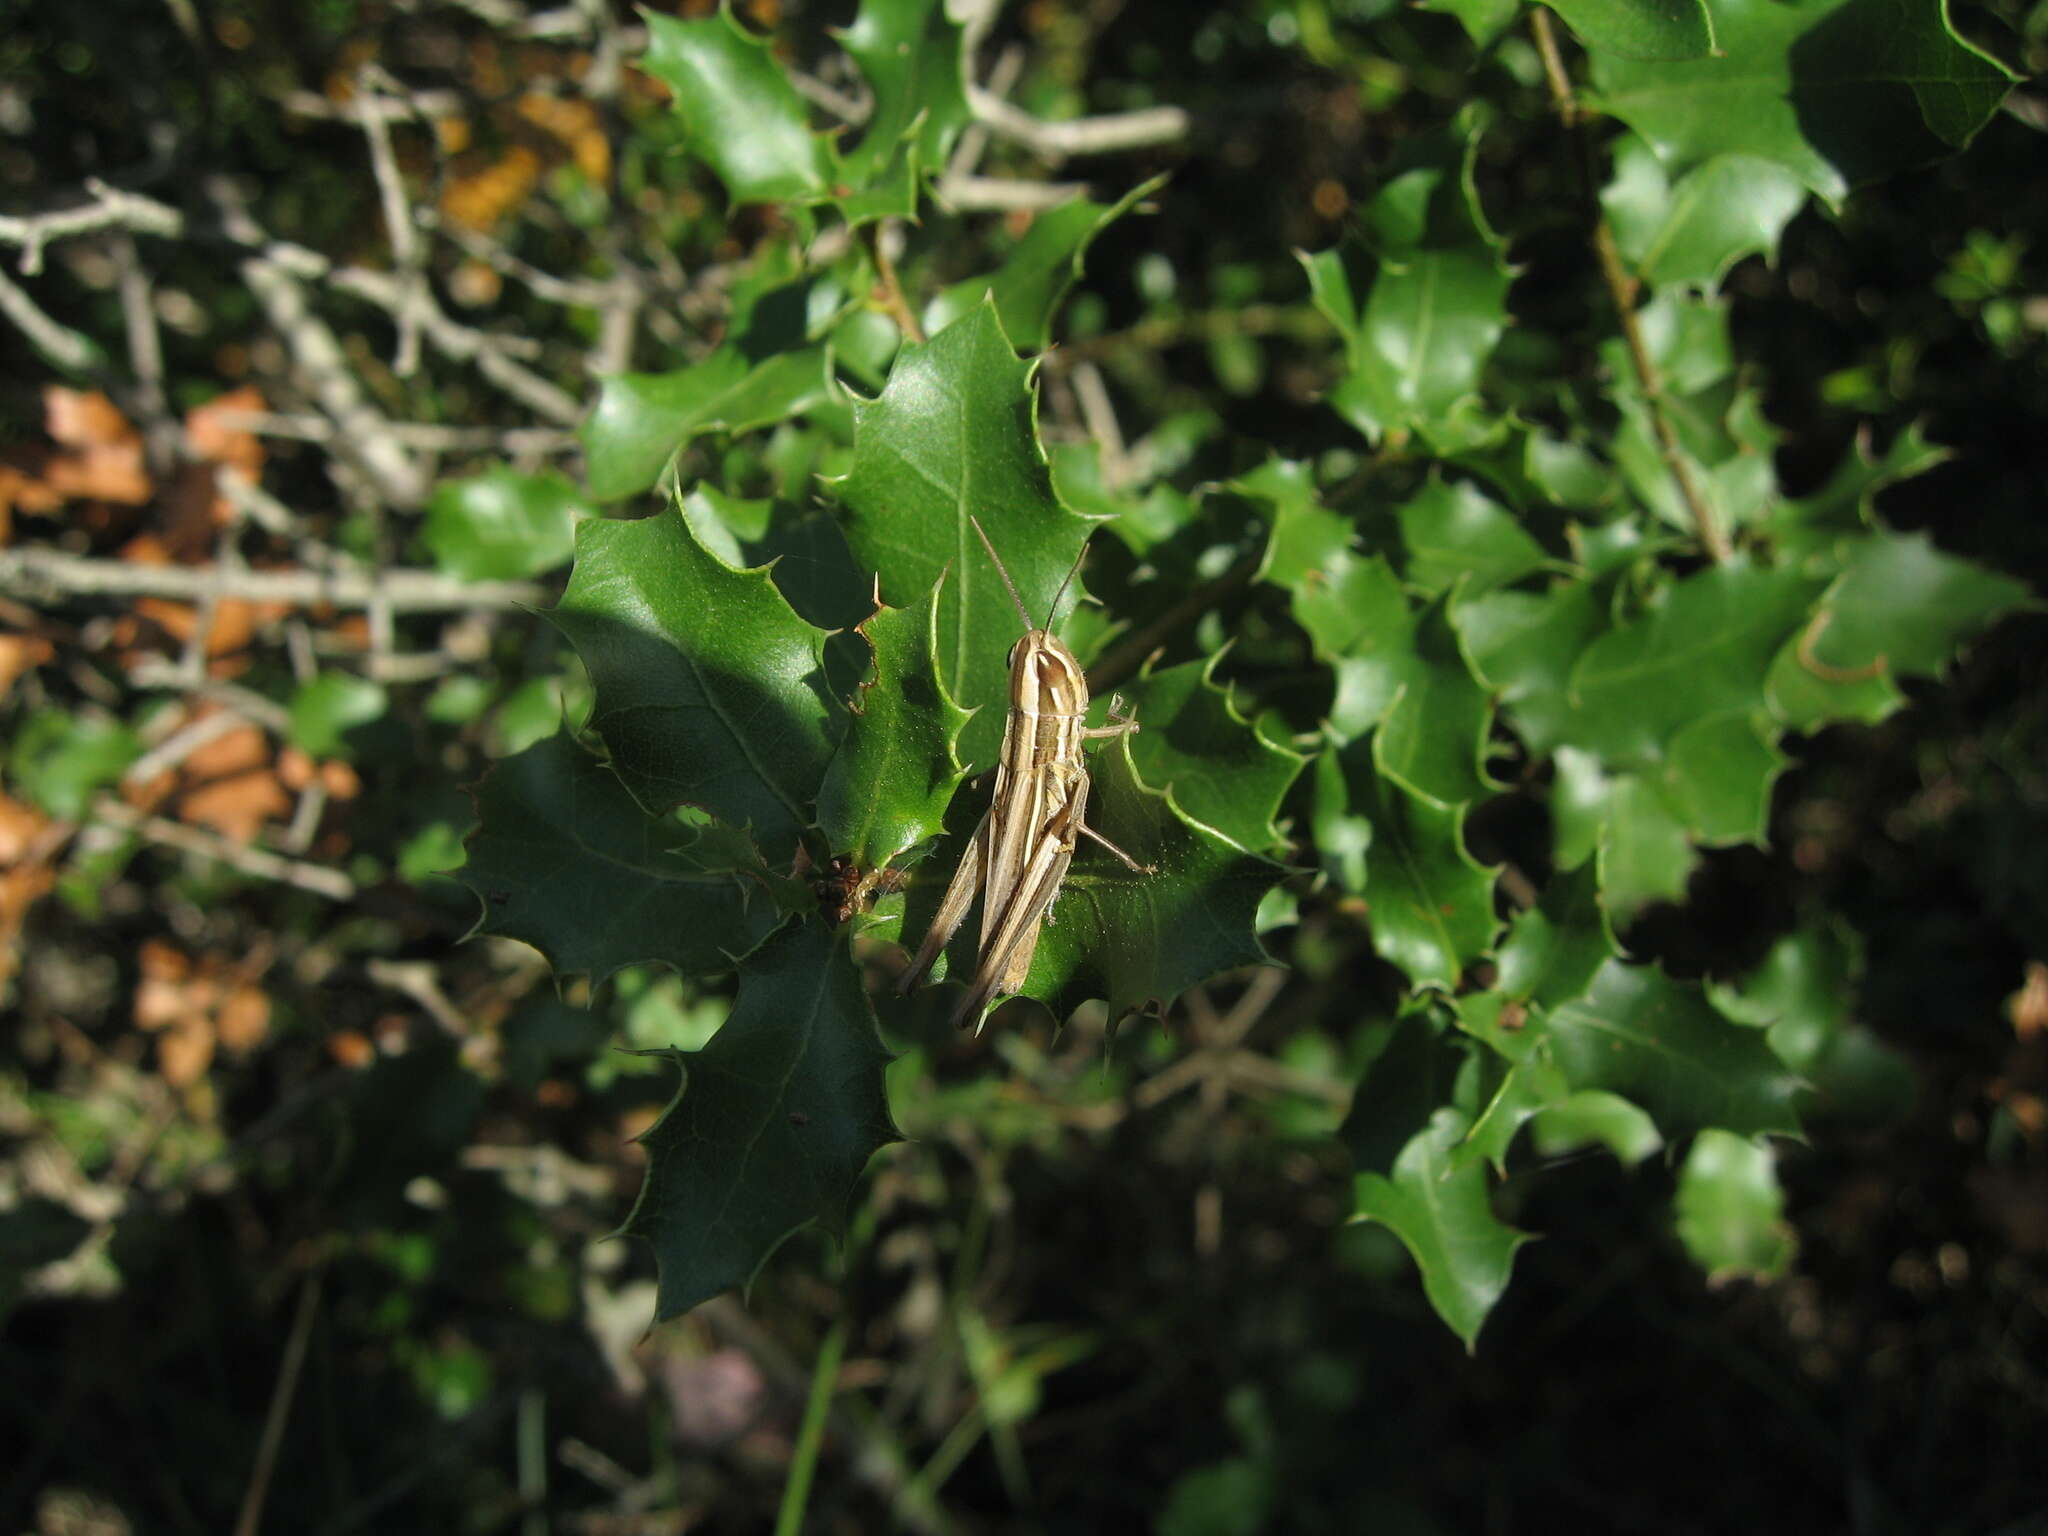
(1072, 571)
(1003, 571)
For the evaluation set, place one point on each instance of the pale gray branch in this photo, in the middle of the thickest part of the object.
(260, 862)
(51, 573)
(1081, 135)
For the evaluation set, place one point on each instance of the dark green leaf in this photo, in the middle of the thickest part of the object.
(1903, 604)
(1838, 91)
(740, 114)
(565, 860)
(1727, 208)
(1640, 29)
(1523, 646)
(502, 525)
(1555, 949)
(1404, 1085)
(909, 53)
(1718, 776)
(1731, 1212)
(1453, 531)
(1660, 1043)
(1630, 821)
(952, 436)
(1483, 20)
(1431, 904)
(60, 760)
(895, 771)
(1583, 1119)
(1442, 1216)
(773, 1123)
(710, 689)
(1192, 740)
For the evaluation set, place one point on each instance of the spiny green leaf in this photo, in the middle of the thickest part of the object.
(1442, 1216)
(804, 547)
(502, 525)
(1305, 535)
(909, 53)
(1420, 300)
(325, 710)
(1817, 525)
(1453, 531)
(1403, 1086)
(1139, 939)
(1483, 20)
(1582, 1119)
(641, 419)
(1640, 29)
(1659, 1042)
(954, 435)
(710, 690)
(1431, 903)
(1727, 208)
(1703, 650)
(1719, 774)
(1838, 91)
(1554, 949)
(773, 1123)
(1903, 602)
(895, 771)
(1630, 821)
(1523, 646)
(1731, 1212)
(740, 114)
(564, 859)
(1192, 740)
(1407, 679)
(1034, 278)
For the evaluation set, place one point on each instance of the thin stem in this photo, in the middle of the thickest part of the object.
(894, 304)
(1622, 288)
(796, 1493)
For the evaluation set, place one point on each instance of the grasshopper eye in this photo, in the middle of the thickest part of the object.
(1011, 659)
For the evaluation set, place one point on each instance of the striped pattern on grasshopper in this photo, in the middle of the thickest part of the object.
(1020, 852)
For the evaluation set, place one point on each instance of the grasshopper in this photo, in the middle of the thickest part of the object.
(1020, 852)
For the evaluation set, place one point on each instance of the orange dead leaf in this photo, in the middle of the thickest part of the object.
(351, 1048)
(2028, 1007)
(214, 442)
(196, 1006)
(237, 806)
(103, 461)
(244, 1019)
(295, 769)
(19, 654)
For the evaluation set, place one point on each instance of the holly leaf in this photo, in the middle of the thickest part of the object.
(952, 435)
(60, 758)
(1419, 297)
(1403, 1086)
(1431, 903)
(641, 420)
(1039, 271)
(773, 1122)
(709, 688)
(1304, 535)
(1731, 1212)
(1523, 647)
(1453, 532)
(1691, 233)
(1554, 949)
(1629, 821)
(1718, 774)
(1593, 1117)
(1659, 1043)
(1191, 740)
(326, 709)
(909, 53)
(1902, 604)
(895, 770)
(1443, 1217)
(1483, 20)
(1839, 92)
(1640, 29)
(740, 114)
(564, 859)
(502, 525)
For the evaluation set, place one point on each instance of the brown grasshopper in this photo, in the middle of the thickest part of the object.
(1020, 852)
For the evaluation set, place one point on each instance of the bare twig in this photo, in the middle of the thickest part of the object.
(982, 194)
(108, 208)
(892, 300)
(420, 981)
(1622, 287)
(65, 348)
(181, 744)
(374, 113)
(250, 1519)
(259, 862)
(426, 436)
(1081, 135)
(1100, 414)
(48, 571)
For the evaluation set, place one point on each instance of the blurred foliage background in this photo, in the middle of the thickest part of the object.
(304, 1203)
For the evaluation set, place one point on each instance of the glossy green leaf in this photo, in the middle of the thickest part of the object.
(1595, 1117)
(1430, 902)
(1038, 271)
(1703, 650)
(502, 525)
(1444, 1219)
(710, 689)
(564, 859)
(1403, 1087)
(1453, 531)
(1817, 525)
(773, 1123)
(1718, 775)
(1523, 646)
(1420, 299)
(1726, 208)
(909, 53)
(1630, 821)
(1133, 938)
(61, 759)
(1731, 1212)
(953, 436)
(1659, 1043)
(1192, 740)
(1483, 20)
(1903, 604)
(1554, 950)
(740, 113)
(804, 548)
(895, 770)
(325, 710)
(1305, 536)
(642, 419)
(1640, 29)
(1839, 92)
